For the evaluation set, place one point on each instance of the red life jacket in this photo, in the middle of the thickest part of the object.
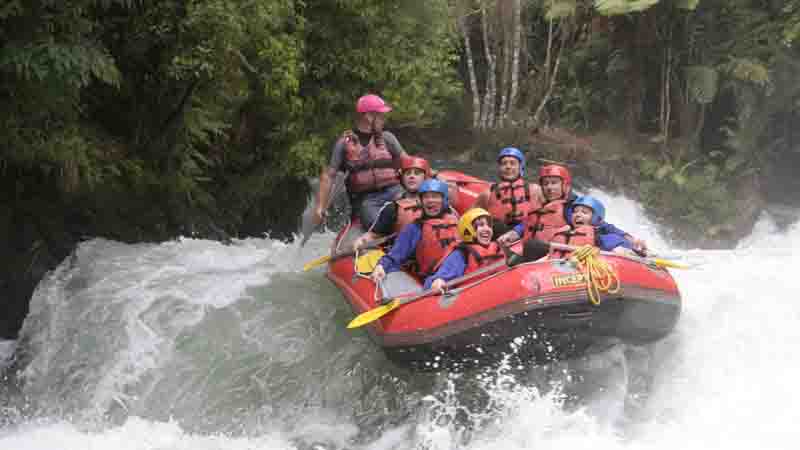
(544, 222)
(439, 237)
(409, 210)
(577, 236)
(371, 168)
(510, 201)
(478, 256)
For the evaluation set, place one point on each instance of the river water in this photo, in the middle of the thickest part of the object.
(195, 345)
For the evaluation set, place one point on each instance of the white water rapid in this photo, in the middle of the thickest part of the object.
(194, 345)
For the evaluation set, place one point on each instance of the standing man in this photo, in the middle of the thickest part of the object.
(370, 156)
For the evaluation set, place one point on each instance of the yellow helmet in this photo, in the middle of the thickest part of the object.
(465, 228)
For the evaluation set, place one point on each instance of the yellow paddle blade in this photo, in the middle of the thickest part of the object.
(316, 262)
(373, 314)
(667, 263)
(366, 262)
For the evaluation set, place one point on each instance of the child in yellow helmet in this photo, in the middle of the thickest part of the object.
(476, 250)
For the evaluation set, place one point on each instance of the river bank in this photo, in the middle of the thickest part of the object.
(696, 211)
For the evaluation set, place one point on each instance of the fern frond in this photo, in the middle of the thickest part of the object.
(702, 83)
(749, 70)
(559, 9)
(688, 5)
(75, 65)
(617, 7)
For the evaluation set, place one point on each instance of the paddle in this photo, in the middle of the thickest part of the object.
(324, 259)
(337, 188)
(660, 262)
(392, 304)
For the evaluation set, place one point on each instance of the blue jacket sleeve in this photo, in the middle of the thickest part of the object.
(404, 246)
(608, 242)
(607, 228)
(452, 267)
(519, 228)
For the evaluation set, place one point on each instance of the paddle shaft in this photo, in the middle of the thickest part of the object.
(660, 263)
(337, 187)
(369, 244)
(463, 288)
(380, 311)
(328, 258)
(451, 283)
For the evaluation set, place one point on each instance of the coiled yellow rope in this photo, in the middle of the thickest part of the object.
(599, 275)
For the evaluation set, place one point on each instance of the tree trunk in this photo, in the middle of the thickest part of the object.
(473, 82)
(547, 56)
(666, 97)
(550, 75)
(505, 21)
(550, 86)
(515, 53)
(502, 87)
(489, 99)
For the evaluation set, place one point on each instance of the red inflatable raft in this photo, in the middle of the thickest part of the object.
(542, 307)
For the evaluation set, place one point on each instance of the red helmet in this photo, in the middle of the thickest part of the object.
(415, 162)
(554, 170)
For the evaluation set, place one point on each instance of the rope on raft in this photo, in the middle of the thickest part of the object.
(599, 275)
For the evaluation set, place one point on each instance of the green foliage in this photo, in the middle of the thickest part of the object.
(616, 7)
(586, 90)
(702, 83)
(558, 9)
(790, 15)
(205, 107)
(693, 195)
(403, 50)
(74, 65)
(688, 5)
(710, 83)
(748, 70)
(217, 106)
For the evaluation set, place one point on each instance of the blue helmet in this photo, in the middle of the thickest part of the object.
(514, 153)
(434, 185)
(598, 210)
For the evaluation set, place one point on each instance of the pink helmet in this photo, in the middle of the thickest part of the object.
(372, 103)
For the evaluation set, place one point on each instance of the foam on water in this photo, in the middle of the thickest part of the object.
(725, 378)
(134, 434)
(7, 349)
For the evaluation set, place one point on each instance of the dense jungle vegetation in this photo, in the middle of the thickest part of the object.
(144, 120)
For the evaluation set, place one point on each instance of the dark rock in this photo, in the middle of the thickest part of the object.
(44, 228)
